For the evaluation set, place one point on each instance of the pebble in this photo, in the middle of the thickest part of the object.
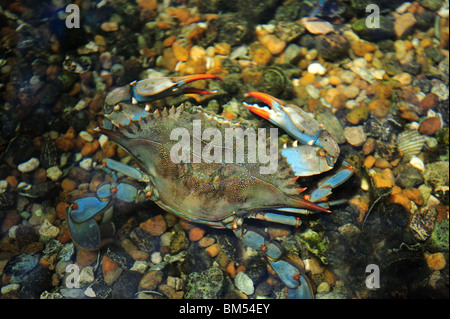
(244, 283)
(324, 287)
(3, 186)
(435, 261)
(355, 135)
(404, 78)
(9, 288)
(151, 280)
(156, 258)
(316, 68)
(430, 125)
(155, 226)
(54, 173)
(351, 91)
(29, 165)
(274, 44)
(110, 270)
(87, 275)
(48, 230)
(403, 24)
(385, 179)
(417, 163)
(86, 136)
(86, 164)
(196, 233)
(213, 250)
(109, 26)
(313, 91)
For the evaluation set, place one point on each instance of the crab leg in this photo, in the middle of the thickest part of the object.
(290, 273)
(80, 216)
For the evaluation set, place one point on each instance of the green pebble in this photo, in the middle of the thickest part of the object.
(358, 115)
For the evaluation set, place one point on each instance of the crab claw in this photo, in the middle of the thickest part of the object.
(157, 88)
(319, 151)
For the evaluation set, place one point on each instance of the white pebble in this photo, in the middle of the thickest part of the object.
(12, 231)
(360, 62)
(29, 165)
(313, 91)
(9, 288)
(48, 230)
(417, 163)
(54, 173)
(89, 292)
(87, 275)
(355, 135)
(156, 258)
(3, 186)
(244, 283)
(86, 136)
(316, 68)
(102, 140)
(140, 266)
(86, 163)
(80, 105)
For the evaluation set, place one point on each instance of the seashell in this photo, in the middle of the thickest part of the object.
(244, 283)
(417, 163)
(410, 143)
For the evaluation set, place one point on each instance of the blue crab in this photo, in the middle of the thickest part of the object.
(220, 195)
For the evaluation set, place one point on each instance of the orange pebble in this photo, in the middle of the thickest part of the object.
(196, 233)
(180, 52)
(213, 250)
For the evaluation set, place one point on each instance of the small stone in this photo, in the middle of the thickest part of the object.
(429, 102)
(206, 242)
(314, 266)
(403, 24)
(156, 226)
(86, 164)
(54, 173)
(110, 270)
(274, 44)
(361, 48)
(380, 107)
(316, 68)
(403, 78)
(351, 91)
(9, 288)
(358, 115)
(213, 250)
(69, 184)
(317, 26)
(89, 292)
(244, 283)
(151, 280)
(417, 163)
(435, 261)
(430, 126)
(385, 179)
(156, 258)
(355, 135)
(48, 230)
(369, 161)
(29, 165)
(87, 275)
(222, 48)
(139, 266)
(86, 136)
(324, 287)
(109, 26)
(196, 233)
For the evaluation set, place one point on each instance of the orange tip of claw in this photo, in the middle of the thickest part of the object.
(258, 111)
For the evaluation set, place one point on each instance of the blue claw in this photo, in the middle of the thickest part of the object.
(305, 161)
(86, 208)
(85, 234)
(297, 284)
(334, 181)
